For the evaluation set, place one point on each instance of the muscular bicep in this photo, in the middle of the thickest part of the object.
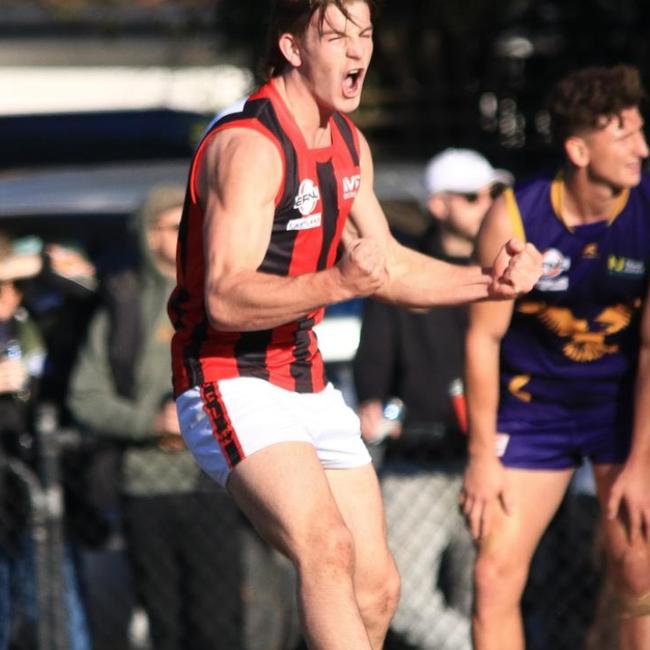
(238, 184)
(367, 217)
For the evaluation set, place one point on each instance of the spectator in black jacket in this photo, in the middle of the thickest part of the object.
(418, 358)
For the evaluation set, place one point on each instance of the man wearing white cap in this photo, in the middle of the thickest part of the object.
(417, 356)
(461, 185)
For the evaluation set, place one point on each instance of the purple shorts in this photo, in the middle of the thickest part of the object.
(562, 442)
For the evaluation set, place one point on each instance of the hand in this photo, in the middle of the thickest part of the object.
(516, 270)
(166, 425)
(484, 489)
(371, 414)
(13, 376)
(166, 420)
(363, 267)
(172, 442)
(68, 262)
(631, 489)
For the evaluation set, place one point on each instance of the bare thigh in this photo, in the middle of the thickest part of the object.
(631, 561)
(284, 492)
(358, 497)
(537, 495)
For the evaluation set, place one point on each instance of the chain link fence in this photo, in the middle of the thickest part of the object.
(75, 532)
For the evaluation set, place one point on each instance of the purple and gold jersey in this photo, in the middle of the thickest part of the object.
(573, 341)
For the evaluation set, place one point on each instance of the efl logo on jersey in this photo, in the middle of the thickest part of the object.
(307, 197)
(351, 186)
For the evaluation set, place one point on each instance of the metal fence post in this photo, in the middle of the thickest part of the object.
(39, 532)
(51, 582)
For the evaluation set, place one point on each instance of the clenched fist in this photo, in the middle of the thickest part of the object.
(516, 270)
(363, 267)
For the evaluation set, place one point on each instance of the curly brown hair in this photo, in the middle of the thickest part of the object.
(590, 98)
(293, 17)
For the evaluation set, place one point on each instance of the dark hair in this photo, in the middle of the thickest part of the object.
(581, 100)
(293, 17)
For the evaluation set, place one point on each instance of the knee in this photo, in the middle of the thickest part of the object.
(328, 550)
(632, 573)
(499, 580)
(378, 594)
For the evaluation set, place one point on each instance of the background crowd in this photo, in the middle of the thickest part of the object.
(153, 554)
(142, 550)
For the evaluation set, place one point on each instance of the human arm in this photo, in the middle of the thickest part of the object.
(238, 181)
(94, 401)
(417, 280)
(631, 489)
(484, 483)
(167, 426)
(20, 267)
(375, 368)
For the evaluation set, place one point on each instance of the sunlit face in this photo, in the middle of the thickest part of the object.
(162, 236)
(617, 151)
(10, 299)
(467, 211)
(334, 61)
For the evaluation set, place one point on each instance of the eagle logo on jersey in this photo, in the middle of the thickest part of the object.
(585, 342)
(516, 385)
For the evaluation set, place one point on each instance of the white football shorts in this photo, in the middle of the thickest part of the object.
(226, 421)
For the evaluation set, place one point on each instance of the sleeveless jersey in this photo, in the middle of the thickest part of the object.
(311, 208)
(573, 340)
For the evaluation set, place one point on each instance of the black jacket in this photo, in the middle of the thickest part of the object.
(415, 356)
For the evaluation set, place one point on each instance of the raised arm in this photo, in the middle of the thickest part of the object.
(485, 485)
(239, 178)
(417, 280)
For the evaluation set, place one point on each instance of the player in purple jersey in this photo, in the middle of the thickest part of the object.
(551, 375)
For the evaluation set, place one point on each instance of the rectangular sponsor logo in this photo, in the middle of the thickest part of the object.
(617, 265)
(351, 186)
(305, 223)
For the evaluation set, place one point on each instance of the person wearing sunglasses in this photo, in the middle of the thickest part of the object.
(417, 355)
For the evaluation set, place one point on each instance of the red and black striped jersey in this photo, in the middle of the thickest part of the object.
(311, 208)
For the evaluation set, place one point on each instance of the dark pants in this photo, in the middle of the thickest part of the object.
(186, 561)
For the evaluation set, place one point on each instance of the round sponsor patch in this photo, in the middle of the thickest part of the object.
(554, 263)
(307, 197)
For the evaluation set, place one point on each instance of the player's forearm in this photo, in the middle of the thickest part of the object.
(422, 281)
(482, 392)
(251, 301)
(640, 449)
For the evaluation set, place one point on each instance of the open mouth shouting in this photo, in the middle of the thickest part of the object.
(352, 82)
